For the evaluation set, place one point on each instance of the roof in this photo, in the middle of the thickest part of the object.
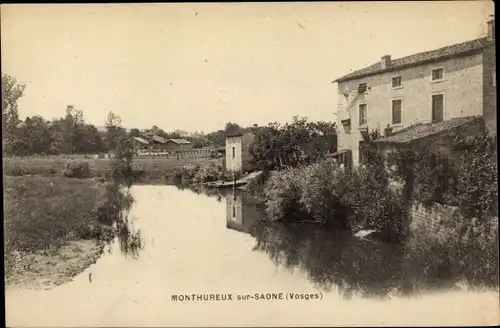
(141, 140)
(158, 139)
(419, 131)
(455, 50)
(180, 141)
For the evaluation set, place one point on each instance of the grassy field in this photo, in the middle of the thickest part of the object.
(55, 165)
(51, 228)
(43, 212)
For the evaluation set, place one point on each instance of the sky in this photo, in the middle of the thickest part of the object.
(197, 66)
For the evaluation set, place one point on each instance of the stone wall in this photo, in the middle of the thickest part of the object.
(431, 220)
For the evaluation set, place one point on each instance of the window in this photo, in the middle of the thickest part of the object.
(362, 88)
(362, 114)
(347, 125)
(397, 105)
(437, 74)
(234, 211)
(234, 152)
(437, 107)
(396, 82)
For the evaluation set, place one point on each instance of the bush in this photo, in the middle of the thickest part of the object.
(77, 170)
(256, 186)
(320, 194)
(186, 172)
(283, 193)
(14, 171)
(208, 173)
(461, 250)
(374, 205)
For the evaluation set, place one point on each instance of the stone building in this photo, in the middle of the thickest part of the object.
(428, 87)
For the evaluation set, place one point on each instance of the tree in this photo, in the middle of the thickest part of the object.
(134, 133)
(295, 143)
(232, 128)
(12, 91)
(114, 131)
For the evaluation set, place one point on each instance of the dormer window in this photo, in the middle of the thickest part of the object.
(362, 88)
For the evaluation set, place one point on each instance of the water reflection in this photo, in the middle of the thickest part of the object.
(340, 261)
(201, 190)
(129, 238)
(242, 211)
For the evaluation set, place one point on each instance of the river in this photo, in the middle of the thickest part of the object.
(194, 243)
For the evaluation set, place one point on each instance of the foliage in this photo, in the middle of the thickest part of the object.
(476, 187)
(339, 199)
(466, 177)
(283, 193)
(187, 171)
(293, 144)
(77, 170)
(320, 194)
(256, 186)
(463, 250)
(12, 91)
(208, 173)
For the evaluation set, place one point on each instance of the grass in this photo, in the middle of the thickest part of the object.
(41, 213)
(48, 166)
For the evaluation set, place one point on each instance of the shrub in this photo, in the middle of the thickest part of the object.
(186, 172)
(14, 171)
(207, 173)
(320, 194)
(283, 193)
(460, 250)
(256, 186)
(77, 170)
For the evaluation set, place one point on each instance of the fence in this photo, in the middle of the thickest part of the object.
(182, 154)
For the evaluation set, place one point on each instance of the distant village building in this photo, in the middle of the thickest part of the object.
(238, 157)
(428, 88)
(177, 145)
(140, 144)
(156, 143)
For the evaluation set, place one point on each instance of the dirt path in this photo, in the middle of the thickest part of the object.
(46, 271)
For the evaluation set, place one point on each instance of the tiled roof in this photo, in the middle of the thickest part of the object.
(419, 131)
(180, 141)
(420, 58)
(141, 140)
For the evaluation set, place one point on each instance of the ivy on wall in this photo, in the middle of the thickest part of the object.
(465, 177)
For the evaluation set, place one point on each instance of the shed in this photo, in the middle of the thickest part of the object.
(178, 145)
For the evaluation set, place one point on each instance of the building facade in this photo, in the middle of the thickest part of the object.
(434, 86)
(238, 158)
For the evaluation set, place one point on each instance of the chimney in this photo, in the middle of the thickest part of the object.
(491, 30)
(386, 61)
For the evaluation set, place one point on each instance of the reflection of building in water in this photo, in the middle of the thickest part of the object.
(242, 212)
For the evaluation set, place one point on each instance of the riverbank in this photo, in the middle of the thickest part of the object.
(147, 169)
(46, 270)
(52, 228)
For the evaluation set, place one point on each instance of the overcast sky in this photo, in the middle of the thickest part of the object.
(197, 66)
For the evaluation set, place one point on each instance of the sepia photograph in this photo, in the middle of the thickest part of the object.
(248, 164)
